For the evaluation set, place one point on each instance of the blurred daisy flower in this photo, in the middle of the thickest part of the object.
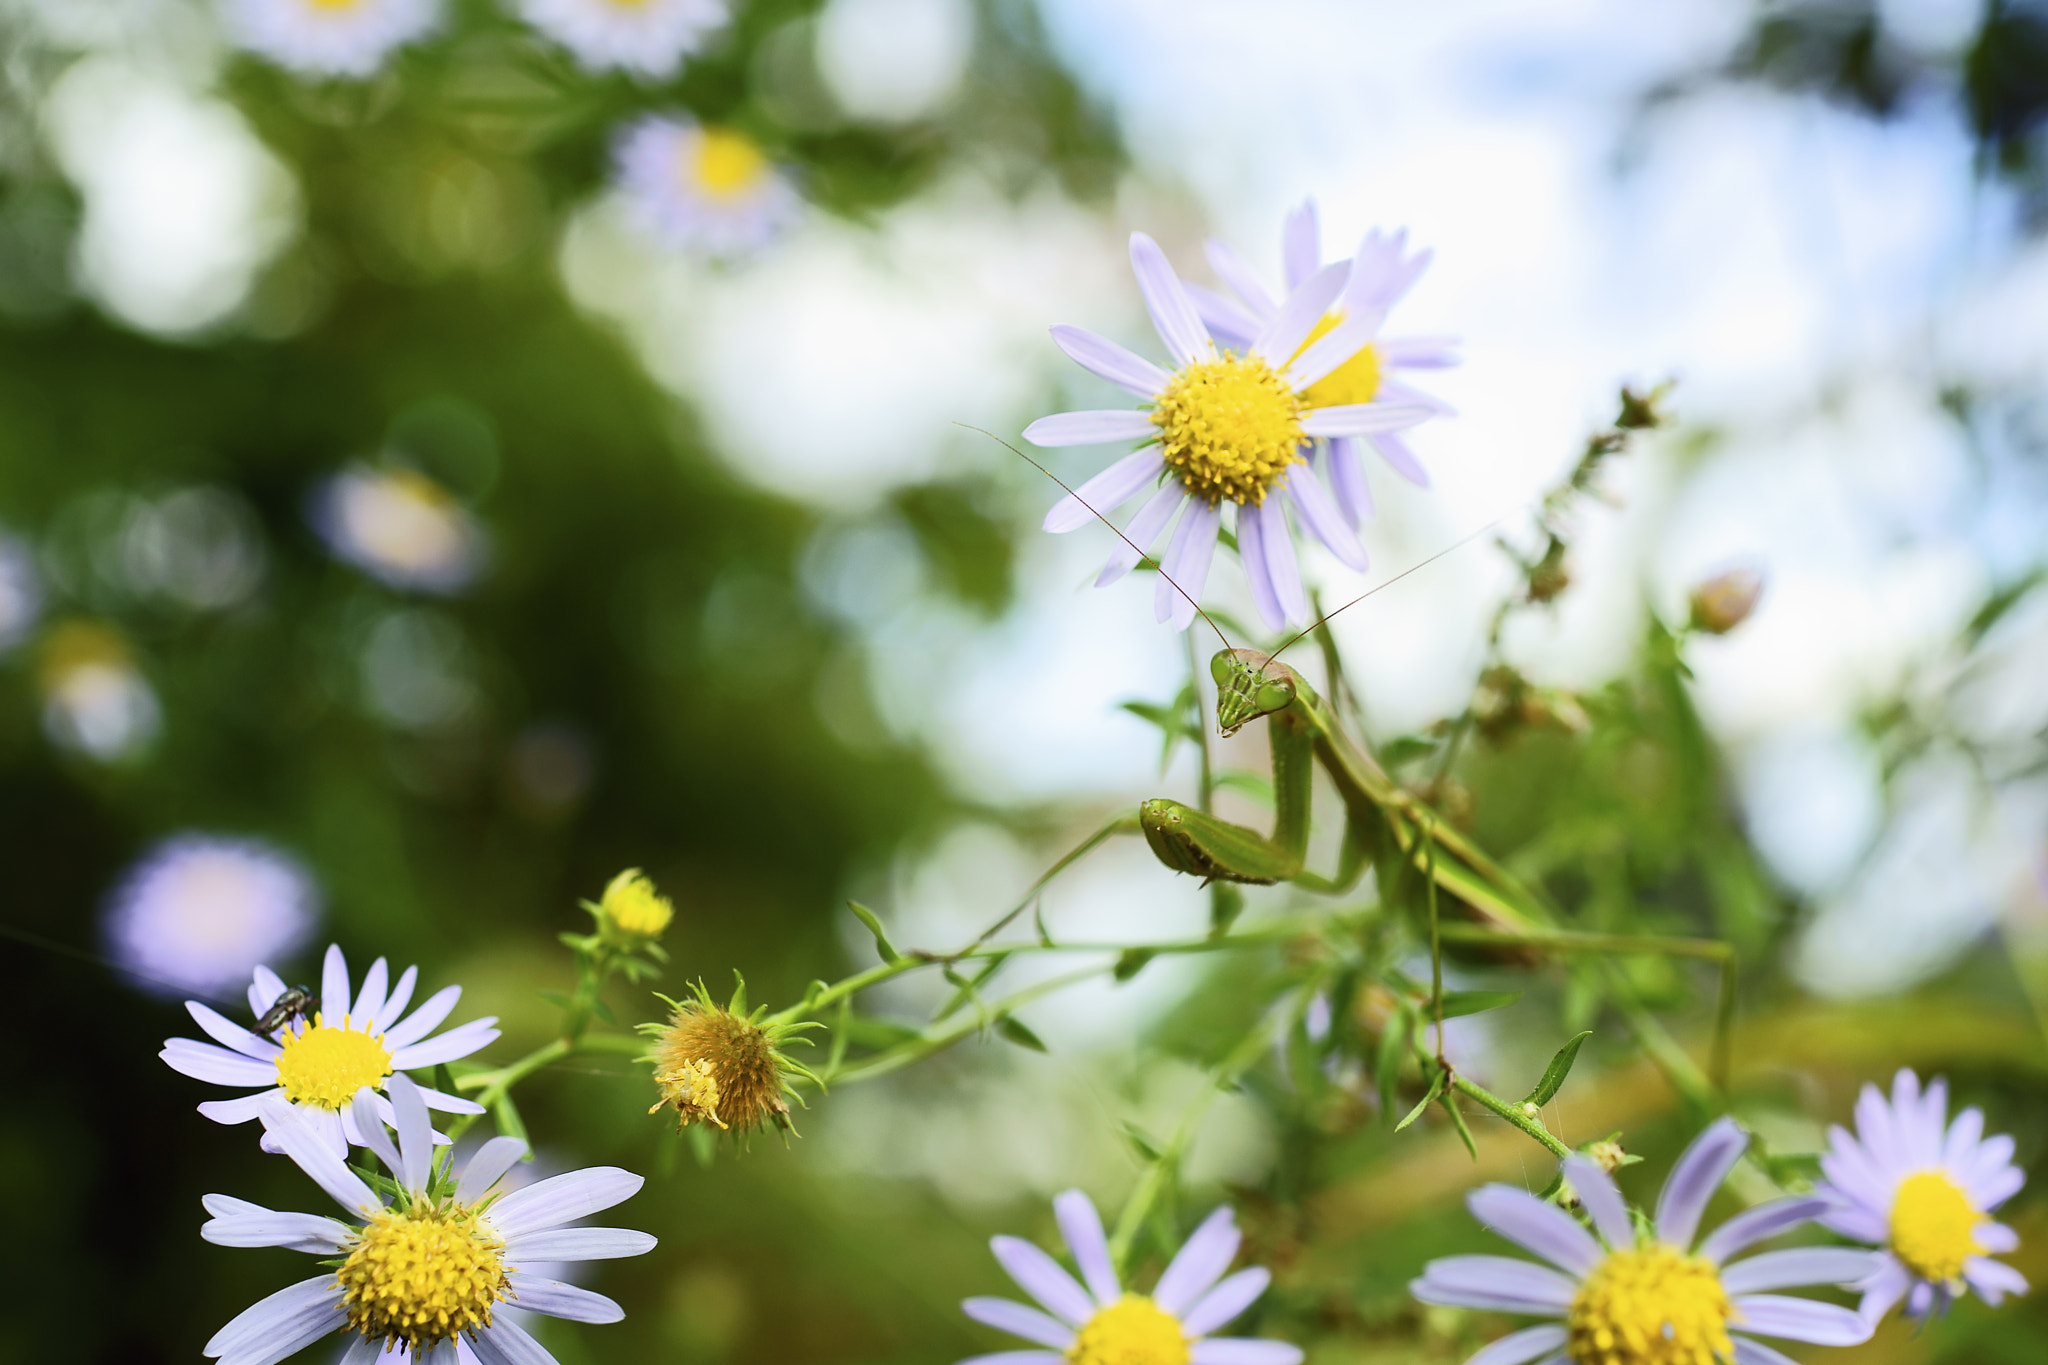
(1103, 1324)
(427, 1266)
(400, 527)
(317, 1068)
(1220, 427)
(1656, 1299)
(95, 701)
(647, 37)
(1923, 1188)
(1382, 272)
(329, 37)
(708, 190)
(198, 913)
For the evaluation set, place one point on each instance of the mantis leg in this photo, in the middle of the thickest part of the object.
(1191, 840)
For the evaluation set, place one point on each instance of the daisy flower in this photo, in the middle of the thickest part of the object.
(400, 527)
(1104, 1324)
(1221, 426)
(708, 190)
(353, 1042)
(427, 1267)
(1923, 1188)
(646, 37)
(1382, 272)
(1654, 1299)
(329, 37)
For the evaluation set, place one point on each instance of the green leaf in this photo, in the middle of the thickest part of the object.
(1259, 789)
(1436, 1087)
(505, 1114)
(1140, 1141)
(1559, 1068)
(555, 998)
(444, 1080)
(1015, 1032)
(1386, 1065)
(1405, 749)
(882, 944)
(703, 1143)
(879, 1033)
(1457, 1004)
(1458, 1122)
(1132, 962)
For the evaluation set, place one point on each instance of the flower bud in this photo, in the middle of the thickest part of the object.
(1723, 602)
(631, 911)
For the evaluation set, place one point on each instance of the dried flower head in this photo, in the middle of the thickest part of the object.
(717, 1064)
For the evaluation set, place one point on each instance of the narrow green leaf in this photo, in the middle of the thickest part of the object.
(555, 998)
(1386, 1065)
(505, 1115)
(1140, 1141)
(1259, 789)
(603, 1011)
(1015, 1032)
(879, 1033)
(968, 988)
(882, 944)
(1559, 1068)
(444, 1080)
(1458, 1122)
(1460, 1003)
(1132, 962)
(1436, 1087)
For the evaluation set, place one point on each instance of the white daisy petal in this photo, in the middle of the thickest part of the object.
(302, 1138)
(1243, 1351)
(264, 990)
(649, 38)
(453, 1045)
(1419, 353)
(1201, 1261)
(370, 996)
(1301, 244)
(449, 1104)
(1884, 1289)
(205, 1062)
(1190, 568)
(562, 1199)
(238, 1110)
(363, 1351)
(1347, 479)
(1017, 1358)
(536, 1294)
(230, 1034)
(401, 995)
(1323, 518)
(1822, 1324)
(1106, 491)
(579, 1244)
(1751, 1226)
(1082, 1228)
(1993, 1280)
(368, 1119)
(1798, 1267)
(1701, 1168)
(1092, 427)
(1217, 1307)
(415, 1132)
(1749, 1352)
(1362, 419)
(424, 1020)
(1281, 566)
(1104, 358)
(1143, 529)
(1239, 278)
(1333, 348)
(487, 1167)
(1019, 1320)
(1251, 556)
(1395, 452)
(1175, 319)
(334, 996)
(1305, 306)
(1227, 320)
(1602, 1201)
(1517, 1348)
(1040, 1276)
(504, 1342)
(308, 1232)
(1483, 1280)
(286, 1315)
(1535, 1225)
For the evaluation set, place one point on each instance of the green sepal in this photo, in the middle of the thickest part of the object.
(1559, 1068)
(738, 1003)
(874, 925)
(1130, 962)
(703, 1144)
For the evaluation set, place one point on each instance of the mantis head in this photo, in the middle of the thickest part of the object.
(1249, 685)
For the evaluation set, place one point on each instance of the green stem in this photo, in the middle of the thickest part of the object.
(895, 1059)
(1160, 1174)
(1520, 1116)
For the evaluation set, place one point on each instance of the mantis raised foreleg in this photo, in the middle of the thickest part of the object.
(1383, 822)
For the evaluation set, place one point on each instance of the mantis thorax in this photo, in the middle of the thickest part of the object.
(1249, 685)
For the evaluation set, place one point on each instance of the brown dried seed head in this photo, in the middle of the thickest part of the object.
(715, 1067)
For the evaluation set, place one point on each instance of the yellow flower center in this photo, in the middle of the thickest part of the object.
(1132, 1331)
(1934, 1226)
(335, 4)
(633, 905)
(1357, 380)
(725, 164)
(421, 1276)
(1651, 1305)
(1229, 427)
(693, 1089)
(326, 1066)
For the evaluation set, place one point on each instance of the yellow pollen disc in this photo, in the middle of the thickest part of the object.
(334, 4)
(724, 164)
(326, 1066)
(1650, 1305)
(1229, 428)
(1132, 1331)
(1357, 380)
(423, 1275)
(1934, 1226)
(693, 1090)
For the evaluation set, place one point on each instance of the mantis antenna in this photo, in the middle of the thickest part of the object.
(1110, 524)
(1458, 544)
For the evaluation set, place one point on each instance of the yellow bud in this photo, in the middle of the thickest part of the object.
(631, 908)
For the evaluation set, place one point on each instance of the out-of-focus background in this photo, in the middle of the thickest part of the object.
(396, 541)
